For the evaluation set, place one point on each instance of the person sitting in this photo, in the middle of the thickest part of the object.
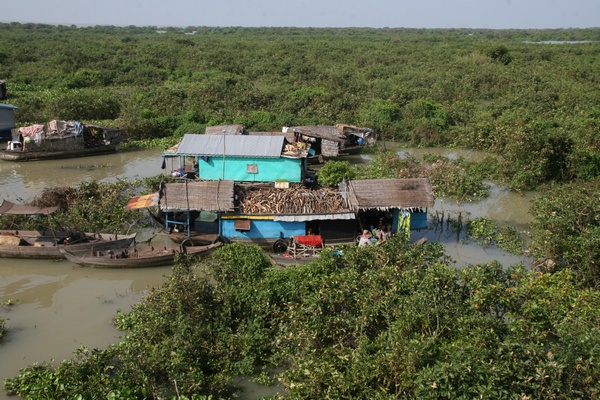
(388, 232)
(193, 174)
(365, 239)
(382, 235)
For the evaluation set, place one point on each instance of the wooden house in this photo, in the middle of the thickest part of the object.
(181, 206)
(254, 213)
(325, 142)
(261, 213)
(265, 212)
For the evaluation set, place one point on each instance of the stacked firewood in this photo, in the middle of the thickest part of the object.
(293, 200)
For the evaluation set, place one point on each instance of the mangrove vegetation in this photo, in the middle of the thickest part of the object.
(380, 322)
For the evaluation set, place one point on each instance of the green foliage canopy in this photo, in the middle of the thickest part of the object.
(395, 320)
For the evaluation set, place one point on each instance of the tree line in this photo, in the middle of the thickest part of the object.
(501, 91)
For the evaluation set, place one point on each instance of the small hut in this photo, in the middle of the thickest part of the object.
(390, 202)
(183, 202)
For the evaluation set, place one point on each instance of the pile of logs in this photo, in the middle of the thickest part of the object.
(294, 200)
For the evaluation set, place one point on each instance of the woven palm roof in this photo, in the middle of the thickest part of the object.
(225, 130)
(385, 194)
(197, 196)
(320, 131)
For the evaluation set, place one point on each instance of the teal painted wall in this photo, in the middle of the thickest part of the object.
(417, 220)
(263, 229)
(269, 169)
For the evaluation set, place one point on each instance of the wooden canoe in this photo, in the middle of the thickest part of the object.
(47, 244)
(137, 257)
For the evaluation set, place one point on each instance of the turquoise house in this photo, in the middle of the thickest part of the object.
(240, 158)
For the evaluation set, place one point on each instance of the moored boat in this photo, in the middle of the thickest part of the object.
(137, 257)
(28, 155)
(60, 139)
(47, 244)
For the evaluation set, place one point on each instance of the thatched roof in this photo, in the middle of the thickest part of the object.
(385, 194)
(197, 196)
(225, 130)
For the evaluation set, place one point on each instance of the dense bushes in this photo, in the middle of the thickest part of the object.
(88, 207)
(388, 321)
(566, 229)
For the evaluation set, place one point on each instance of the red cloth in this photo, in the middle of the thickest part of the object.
(310, 240)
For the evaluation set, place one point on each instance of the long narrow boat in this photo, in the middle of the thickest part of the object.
(137, 257)
(47, 244)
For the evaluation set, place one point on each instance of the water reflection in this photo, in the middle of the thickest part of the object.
(452, 154)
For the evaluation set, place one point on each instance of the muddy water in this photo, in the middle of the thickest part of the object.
(60, 307)
(22, 181)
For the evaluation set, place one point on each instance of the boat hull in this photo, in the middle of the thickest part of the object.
(199, 239)
(9, 155)
(142, 258)
(46, 245)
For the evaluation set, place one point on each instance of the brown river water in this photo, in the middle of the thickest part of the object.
(59, 307)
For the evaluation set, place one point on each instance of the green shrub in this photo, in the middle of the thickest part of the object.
(334, 172)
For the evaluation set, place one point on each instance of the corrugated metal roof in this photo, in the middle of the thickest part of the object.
(231, 145)
(390, 193)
